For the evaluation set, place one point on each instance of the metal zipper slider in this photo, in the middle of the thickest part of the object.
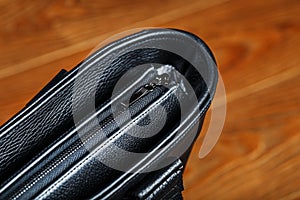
(139, 94)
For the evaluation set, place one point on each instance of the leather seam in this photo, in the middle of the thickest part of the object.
(79, 164)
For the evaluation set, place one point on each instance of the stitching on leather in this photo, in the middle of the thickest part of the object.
(79, 164)
(124, 49)
(134, 45)
(182, 40)
(106, 103)
(175, 142)
(63, 136)
(190, 125)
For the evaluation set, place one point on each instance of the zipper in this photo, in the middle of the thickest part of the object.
(140, 93)
(158, 80)
(61, 141)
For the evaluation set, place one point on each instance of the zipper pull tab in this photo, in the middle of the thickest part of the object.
(140, 93)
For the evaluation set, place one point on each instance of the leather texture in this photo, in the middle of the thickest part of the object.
(44, 156)
(163, 184)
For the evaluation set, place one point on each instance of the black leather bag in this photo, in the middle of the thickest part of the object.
(120, 125)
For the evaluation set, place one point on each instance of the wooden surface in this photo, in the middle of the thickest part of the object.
(256, 43)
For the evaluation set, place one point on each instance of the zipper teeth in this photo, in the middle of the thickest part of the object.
(68, 152)
(75, 147)
(153, 70)
(40, 175)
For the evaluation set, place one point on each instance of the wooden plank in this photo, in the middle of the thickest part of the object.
(257, 47)
(64, 29)
(257, 156)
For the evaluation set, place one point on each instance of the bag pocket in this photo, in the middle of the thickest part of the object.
(69, 149)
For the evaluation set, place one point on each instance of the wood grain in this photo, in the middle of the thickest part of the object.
(257, 47)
